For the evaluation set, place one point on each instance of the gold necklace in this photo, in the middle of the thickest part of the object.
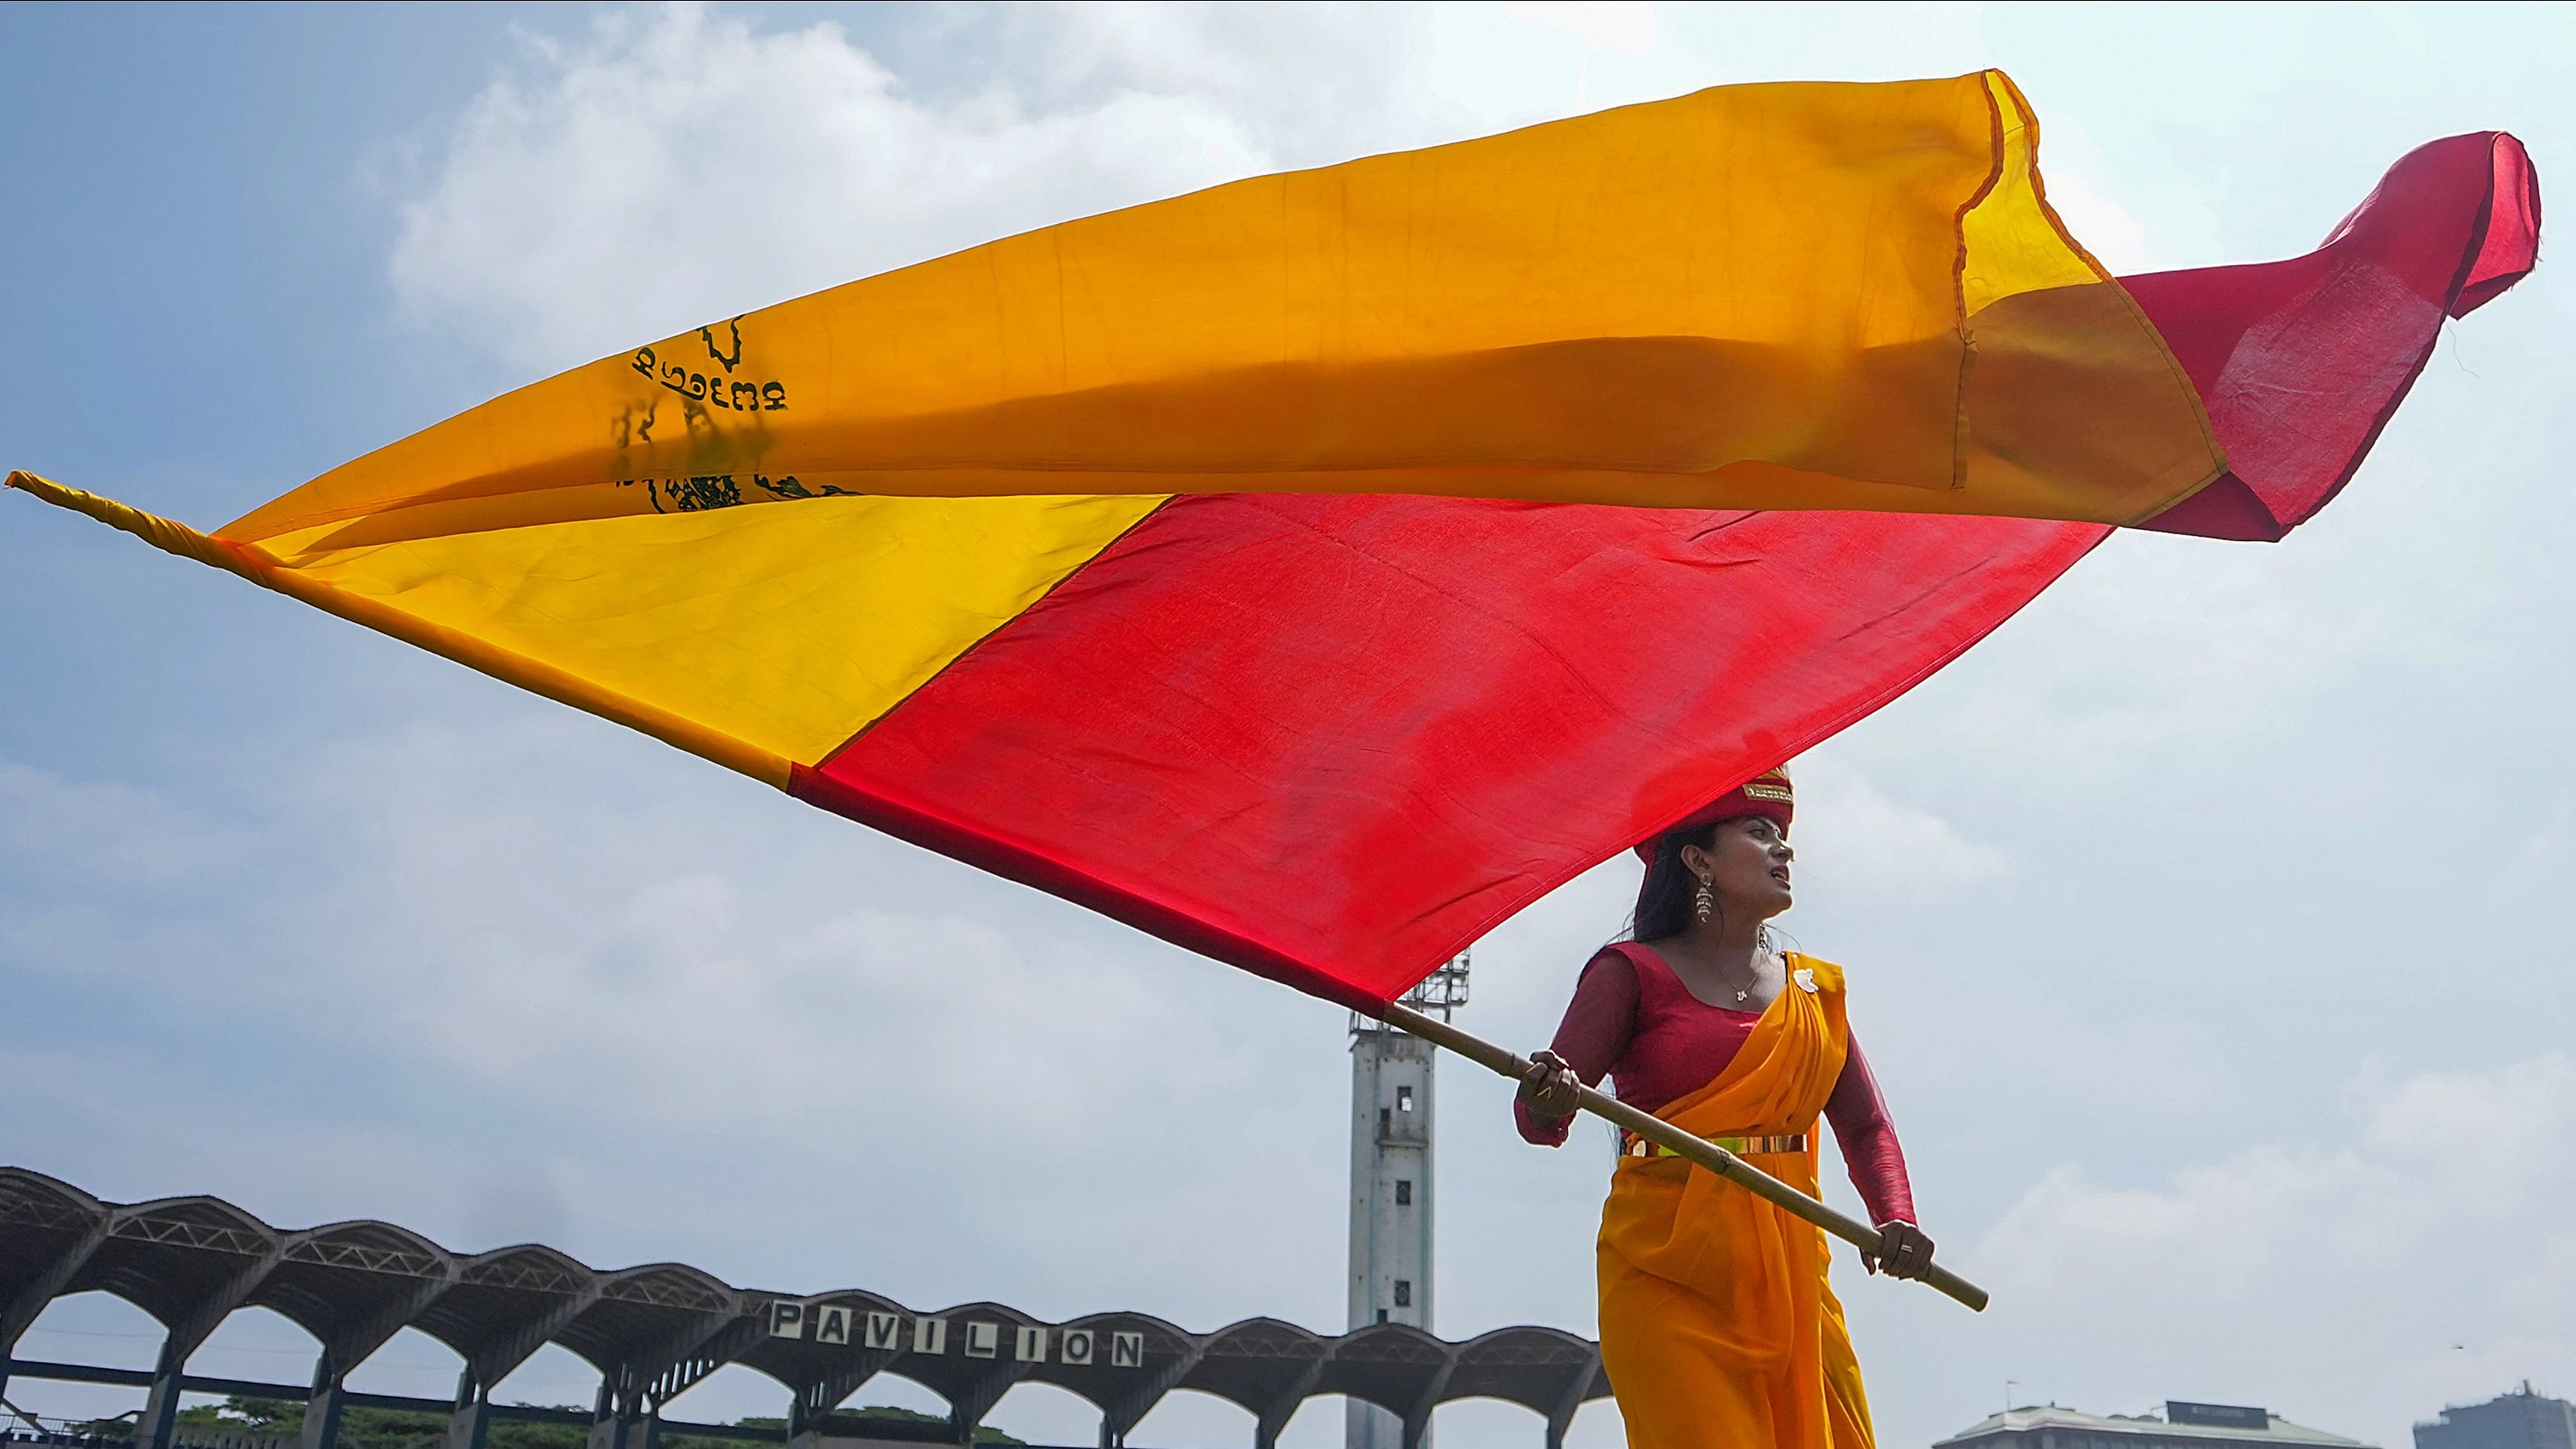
(1757, 976)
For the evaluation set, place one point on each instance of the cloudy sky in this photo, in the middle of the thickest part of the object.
(2209, 924)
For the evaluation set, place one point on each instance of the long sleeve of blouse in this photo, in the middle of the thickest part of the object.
(1601, 1024)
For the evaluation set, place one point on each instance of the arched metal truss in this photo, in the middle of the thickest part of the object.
(654, 1331)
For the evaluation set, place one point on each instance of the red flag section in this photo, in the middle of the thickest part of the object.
(1335, 739)
(2300, 363)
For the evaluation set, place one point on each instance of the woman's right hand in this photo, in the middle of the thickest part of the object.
(1550, 1089)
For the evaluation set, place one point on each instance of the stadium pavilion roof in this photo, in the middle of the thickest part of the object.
(654, 1331)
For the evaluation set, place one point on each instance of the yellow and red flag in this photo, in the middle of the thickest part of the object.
(1316, 569)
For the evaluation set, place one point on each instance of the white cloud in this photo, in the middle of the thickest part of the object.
(135, 834)
(489, 913)
(1623, 29)
(1850, 831)
(2449, 1188)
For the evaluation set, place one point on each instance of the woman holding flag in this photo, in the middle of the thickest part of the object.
(1717, 1325)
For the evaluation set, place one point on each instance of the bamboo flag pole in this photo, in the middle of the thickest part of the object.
(1681, 1144)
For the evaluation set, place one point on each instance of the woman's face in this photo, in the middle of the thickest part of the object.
(1747, 865)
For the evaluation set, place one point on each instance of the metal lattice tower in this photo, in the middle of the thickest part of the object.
(1390, 1263)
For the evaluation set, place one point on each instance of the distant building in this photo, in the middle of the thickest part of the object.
(2183, 1426)
(2518, 1420)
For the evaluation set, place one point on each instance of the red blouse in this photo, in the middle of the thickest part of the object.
(1632, 1019)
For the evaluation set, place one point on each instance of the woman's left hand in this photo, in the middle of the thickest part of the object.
(1904, 1251)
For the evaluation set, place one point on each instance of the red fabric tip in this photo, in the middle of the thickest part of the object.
(2301, 362)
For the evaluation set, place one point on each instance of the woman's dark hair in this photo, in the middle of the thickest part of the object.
(1667, 898)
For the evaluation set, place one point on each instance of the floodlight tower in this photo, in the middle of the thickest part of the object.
(1390, 1278)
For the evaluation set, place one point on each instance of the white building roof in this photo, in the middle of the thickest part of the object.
(2124, 1431)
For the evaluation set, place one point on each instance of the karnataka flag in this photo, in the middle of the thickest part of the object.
(1316, 569)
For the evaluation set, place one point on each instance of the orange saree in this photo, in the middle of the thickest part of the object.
(1718, 1328)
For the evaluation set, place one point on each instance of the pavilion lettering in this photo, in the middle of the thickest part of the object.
(883, 1332)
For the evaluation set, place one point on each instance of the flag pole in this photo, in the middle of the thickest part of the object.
(1725, 1164)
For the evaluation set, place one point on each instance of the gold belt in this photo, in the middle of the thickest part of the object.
(1740, 1146)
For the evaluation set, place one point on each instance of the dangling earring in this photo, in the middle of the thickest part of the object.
(1703, 904)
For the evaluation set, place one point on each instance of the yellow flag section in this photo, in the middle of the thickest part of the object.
(1775, 296)
(758, 638)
